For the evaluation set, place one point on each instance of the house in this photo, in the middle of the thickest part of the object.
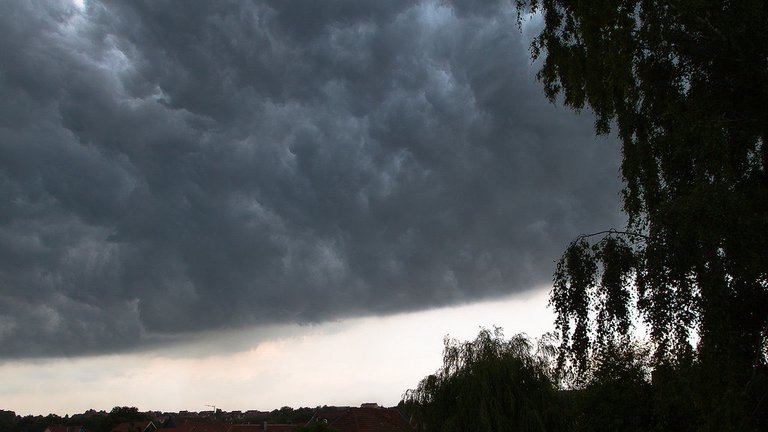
(234, 415)
(255, 413)
(136, 426)
(367, 418)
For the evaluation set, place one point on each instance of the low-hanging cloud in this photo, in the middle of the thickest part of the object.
(172, 167)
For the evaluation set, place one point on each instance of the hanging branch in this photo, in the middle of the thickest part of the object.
(611, 232)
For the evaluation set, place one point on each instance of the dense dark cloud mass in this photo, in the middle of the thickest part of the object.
(169, 167)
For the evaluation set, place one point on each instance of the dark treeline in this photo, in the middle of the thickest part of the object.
(284, 415)
(93, 421)
(105, 422)
(493, 384)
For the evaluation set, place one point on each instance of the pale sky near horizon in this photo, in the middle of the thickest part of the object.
(280, 202)
(373, 359)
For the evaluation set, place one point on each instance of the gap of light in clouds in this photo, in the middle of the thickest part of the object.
(373, 359)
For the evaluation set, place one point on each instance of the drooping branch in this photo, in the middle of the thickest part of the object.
(612, 231)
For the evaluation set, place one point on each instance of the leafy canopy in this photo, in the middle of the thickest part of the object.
(684, 83)
(489, 384)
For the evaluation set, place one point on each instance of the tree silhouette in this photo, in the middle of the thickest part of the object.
(489, 384)
(685, 86)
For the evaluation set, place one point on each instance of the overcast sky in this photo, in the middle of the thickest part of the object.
(172, 170)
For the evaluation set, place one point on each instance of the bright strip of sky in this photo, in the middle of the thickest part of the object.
(373, 359)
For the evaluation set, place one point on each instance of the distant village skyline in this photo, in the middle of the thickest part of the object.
(369, 417)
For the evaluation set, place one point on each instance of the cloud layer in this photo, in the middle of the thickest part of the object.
(173, 167)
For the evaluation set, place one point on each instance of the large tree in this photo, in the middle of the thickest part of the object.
(490, 384)
(685, 86)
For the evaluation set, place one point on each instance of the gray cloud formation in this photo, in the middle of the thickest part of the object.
(170, 167)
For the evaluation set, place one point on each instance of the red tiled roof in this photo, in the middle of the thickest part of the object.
(281, 427)
(137, 426)
(271, 427)
(65, 429)
(197, 425)
(211, 427)
(365, 420)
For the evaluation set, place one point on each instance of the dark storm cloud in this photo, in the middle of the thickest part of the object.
(174, 167)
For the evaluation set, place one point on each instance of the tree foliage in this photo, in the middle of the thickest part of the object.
(121, 414)
(92, 421)
(685, 86)
(284, 415)
(489, 384)
(619, 396)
